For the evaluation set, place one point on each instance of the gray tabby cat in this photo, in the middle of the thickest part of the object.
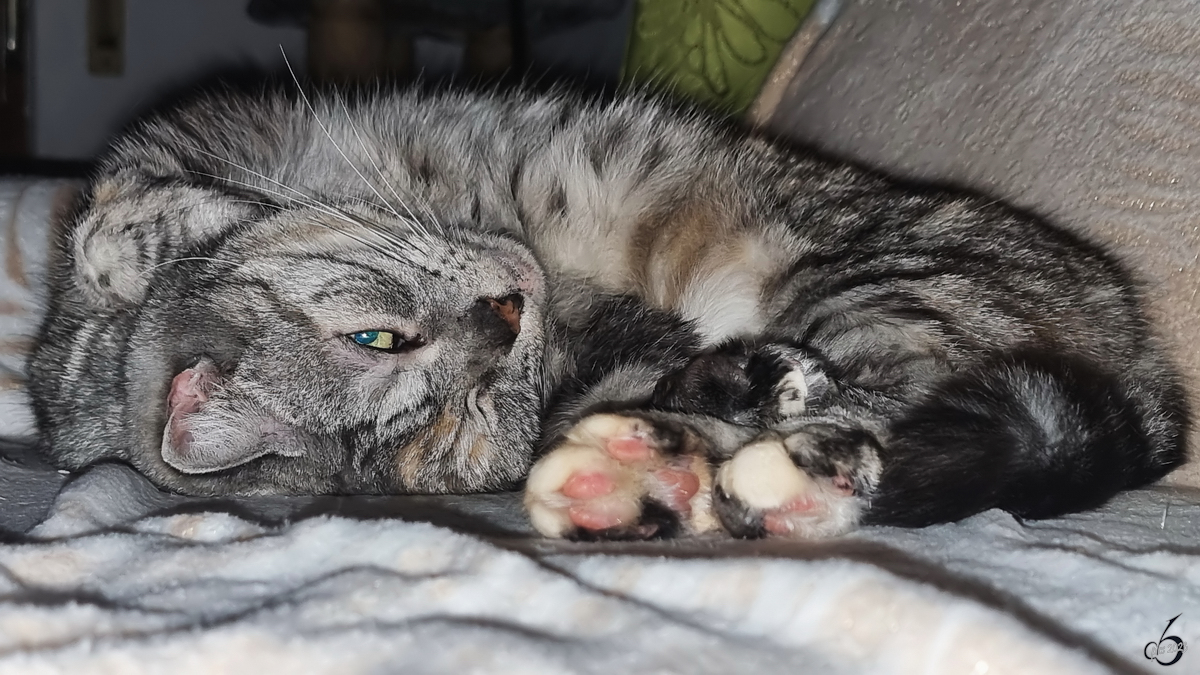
(690, 327)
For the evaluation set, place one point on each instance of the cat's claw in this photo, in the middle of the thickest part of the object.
(619, 477)
(761, 491)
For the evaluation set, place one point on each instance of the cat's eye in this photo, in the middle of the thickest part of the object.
(383, 340)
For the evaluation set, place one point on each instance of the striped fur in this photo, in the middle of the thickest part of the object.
(925, 353)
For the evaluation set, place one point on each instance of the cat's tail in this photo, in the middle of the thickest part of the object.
(1034, 436)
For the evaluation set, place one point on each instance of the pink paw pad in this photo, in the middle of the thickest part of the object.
(605, 473)
(779, 521)
(588, 485)
(678, 486)
(628, 449)
(603, 513)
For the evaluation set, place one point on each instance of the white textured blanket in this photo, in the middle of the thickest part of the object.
(125, 579)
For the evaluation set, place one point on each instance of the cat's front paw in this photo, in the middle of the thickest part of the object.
(807, 485)
(747, 385)
(620, 477)
(800, 387)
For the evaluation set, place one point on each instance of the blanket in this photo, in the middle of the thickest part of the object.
(124, 578)
(27, 208)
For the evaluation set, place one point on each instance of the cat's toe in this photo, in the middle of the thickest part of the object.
(761, 491)
(618, 477)
(578, 486)
(801, 384)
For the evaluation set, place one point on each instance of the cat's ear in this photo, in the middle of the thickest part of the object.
(203, 435)
(133, 225)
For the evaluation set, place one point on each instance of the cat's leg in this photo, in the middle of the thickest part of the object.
(647, 472)
(749, 385)
(133, 223)
(1034, 435)
(808, 472)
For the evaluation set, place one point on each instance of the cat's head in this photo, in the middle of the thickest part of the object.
(340, 350)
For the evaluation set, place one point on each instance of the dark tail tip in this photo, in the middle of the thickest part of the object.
(1035, 436)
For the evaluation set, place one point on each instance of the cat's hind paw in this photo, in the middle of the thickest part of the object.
(620, 477)
(761, 491)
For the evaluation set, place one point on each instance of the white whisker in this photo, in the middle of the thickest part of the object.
(172, 261)
(367, 153)
(324, 128)
(337, 214)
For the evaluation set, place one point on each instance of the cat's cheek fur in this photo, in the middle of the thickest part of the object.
(381, 374)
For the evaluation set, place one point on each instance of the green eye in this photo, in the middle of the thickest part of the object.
(376, 339)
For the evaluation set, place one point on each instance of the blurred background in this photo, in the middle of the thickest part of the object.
(73, 72)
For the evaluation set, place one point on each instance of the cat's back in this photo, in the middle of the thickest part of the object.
(412, 137)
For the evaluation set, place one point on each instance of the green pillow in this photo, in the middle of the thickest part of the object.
(717, 52)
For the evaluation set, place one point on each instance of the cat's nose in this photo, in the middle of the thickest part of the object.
(508, 309)
(498, 319)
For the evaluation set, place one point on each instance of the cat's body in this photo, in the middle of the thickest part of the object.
(782, 345)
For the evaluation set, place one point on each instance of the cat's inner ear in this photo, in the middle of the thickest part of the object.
(204, 433)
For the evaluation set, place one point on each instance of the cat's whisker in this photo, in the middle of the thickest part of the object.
(317, 118)
(255, 202)
(320, 207)
(390, 253)
(353, 237)
(337, 213)
(172, 261)
(375, 165)
(423, 203)
(383, 231)
(303, 199)
(307, 199)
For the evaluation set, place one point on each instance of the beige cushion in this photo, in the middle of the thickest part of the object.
(1085, 111)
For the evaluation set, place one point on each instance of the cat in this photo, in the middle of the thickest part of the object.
(662, 323)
